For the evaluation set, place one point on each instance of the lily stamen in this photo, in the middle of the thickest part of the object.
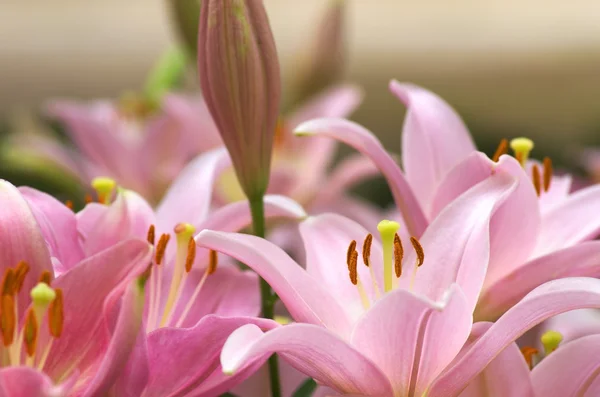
(156, 282)
(547, 173)
(501, 150)
(529, 353)
(353, 273)
(537, 179)
(419, 260)
(30, 336)
(366, 254)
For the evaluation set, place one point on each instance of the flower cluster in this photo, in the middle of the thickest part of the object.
(480, 281)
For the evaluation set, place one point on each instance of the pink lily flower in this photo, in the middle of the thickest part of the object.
(192, 304)
(142, 150)
(69, 333)
(406, 339)
(535, 235)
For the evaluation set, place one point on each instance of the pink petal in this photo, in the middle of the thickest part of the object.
(547, 300)
(507, 375)
(572, 325)
(365, 142)
(570, 222)
(22, 239)
(349, 172)
(189, 197)
(236, 216)
(190, 351)
(311, 349)
(135, 376)
(456, 244)
(304, 296)
(326, 239)
(503, 293)
(86, 288)
(58, 225)
(259, 383)
(122, 342)
(413, 339)
(571, 370)
(102, 226)
(434, 139)
(27, 382)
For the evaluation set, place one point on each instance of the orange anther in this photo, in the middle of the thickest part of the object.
(398, 255)
(212, 263)
(191, 255)
(30, 332)
(419, 250)
(502, 149)
(56, 315)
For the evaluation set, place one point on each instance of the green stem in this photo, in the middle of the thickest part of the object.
(268, 299)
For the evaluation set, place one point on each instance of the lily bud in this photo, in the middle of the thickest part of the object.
(240, 79)
(326, 57)
(185, 14)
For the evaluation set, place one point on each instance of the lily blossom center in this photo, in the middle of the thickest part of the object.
(550, 341)
(105, 188)
(393, 255)
(162, 304)
(23, 344)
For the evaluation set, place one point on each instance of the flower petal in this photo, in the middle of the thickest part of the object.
(571, 325)
(304, 296)
(85, 289)
(58, 225)
(122, 341)
(311, 349)
(547, 300)
(569, 223)
(580, 260)
(189, 197)
(456, 244)
(365, 142)
(190, 351)
(508, 375)
(571, 370)
(326, 239)
(413, 339)
(27, 382)
(434, 139)
(349, 172)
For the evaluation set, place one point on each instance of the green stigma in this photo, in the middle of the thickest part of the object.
(42, 294)
(184, 231)
(104, 188)
(522, 147)
(387, 231)
(550, 340)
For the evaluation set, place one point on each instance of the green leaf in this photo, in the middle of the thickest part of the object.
(306, 389)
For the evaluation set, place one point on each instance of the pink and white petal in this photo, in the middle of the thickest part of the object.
(545, 301)
(134, 377)
(582, 260)
(457, 243)
(508, 375)
(27, 382)
(434, 139)
(103, 226)
(314, 351)
(236, 216)
(259, 383)
(365, 142)
(122, 342)
(426, 335)
(349, 172)
(58, 225)
(304, 296)
(182, 358)
(560, 187)
(22, 239)
(189, 197)
(570, 222)
(326, 239)
(86, 287)
(571, 370)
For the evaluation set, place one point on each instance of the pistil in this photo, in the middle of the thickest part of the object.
(105, 188)
(387, 230)
(522, 147)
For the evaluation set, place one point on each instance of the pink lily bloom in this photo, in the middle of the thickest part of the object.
(378, 335)
(192, 304)
(535, 234)
(67, 333)
(141, 149)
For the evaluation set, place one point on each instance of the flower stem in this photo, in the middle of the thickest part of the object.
(268, 298)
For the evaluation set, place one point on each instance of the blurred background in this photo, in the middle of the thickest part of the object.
(510, 68)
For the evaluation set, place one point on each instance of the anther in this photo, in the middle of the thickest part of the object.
(398, 255)
(537, 179)
(20, 274)
(88, 198)
(46, 277)
(161, 247)
(104, 188)
(69, 204)
(7, 282)
(191, 255)
(366, 250)
(528, 352)
(150, 237)
(212, 262)
(7, 319)
(419, 251)
(351, 249)
(502, 149)
(550, 340)
(56, 315)
(522, 147)
(30, 332)
(352, 267)
(547, 173)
